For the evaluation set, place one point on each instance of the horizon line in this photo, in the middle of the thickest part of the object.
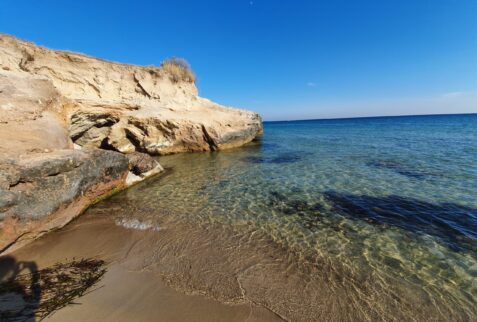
(367, 117)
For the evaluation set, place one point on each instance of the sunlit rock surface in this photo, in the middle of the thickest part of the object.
(59, 111)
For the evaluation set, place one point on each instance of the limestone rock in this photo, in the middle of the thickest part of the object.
(59, 109)
(31, 115)
(136, 108)
(43, 191)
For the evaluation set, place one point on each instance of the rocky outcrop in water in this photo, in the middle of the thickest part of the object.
(59, 111)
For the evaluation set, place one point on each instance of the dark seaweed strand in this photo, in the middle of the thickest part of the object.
(55, 288)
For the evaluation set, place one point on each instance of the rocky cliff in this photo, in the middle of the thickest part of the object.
(129, 108)
(60, 111)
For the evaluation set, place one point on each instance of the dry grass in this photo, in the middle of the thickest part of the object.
(178, 70)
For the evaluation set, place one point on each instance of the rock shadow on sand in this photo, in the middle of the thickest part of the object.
(19, 295)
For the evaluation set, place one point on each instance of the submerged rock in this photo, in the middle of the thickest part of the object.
(399, 168)
(282, 158)
(453, 224)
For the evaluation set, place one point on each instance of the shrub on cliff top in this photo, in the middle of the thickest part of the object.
(178, 70)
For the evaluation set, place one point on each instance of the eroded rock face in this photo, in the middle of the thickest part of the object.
(130, 108)
(43, 191)
(32, 117)
(155, 136)
(60, 111)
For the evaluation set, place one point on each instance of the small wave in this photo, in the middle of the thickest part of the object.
(136, 224)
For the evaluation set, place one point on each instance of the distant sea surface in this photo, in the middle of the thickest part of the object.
(369, 218)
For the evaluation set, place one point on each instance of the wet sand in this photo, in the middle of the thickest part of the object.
(127, 292)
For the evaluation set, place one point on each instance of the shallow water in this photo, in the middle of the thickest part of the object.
(357, 219)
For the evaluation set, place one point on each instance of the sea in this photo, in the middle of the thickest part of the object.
(347, 219)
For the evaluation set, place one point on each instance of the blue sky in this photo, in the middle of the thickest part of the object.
(284, 59)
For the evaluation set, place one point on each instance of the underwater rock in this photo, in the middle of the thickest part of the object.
(453, 224)
(309, 213)
(398, 168)
(290, 157)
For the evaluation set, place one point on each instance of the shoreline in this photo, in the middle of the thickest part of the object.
(174, 269)
(127, 291)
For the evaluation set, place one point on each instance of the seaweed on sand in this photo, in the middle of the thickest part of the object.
(39, 293)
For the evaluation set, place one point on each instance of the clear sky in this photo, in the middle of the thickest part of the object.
(284, 59)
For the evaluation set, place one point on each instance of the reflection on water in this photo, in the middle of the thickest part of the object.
(333, 220)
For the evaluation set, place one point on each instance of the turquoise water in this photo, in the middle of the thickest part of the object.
(390, 201)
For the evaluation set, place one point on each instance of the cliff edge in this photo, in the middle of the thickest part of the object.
(128, 108)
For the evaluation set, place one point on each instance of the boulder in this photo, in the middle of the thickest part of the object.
(141, 163)
(43, 191)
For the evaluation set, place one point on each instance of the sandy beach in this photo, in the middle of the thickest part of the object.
(127, 292)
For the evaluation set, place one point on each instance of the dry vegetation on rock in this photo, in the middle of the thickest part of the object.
(179, 70)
